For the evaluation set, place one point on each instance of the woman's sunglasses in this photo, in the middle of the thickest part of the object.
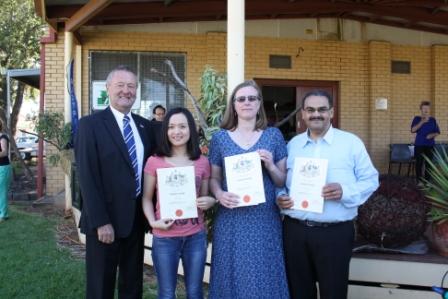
(242, 99)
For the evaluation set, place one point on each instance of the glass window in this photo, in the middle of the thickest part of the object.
(154, 89)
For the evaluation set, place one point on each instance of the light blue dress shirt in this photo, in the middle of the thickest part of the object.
(348, 164)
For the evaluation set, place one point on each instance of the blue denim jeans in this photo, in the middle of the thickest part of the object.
(166, 252)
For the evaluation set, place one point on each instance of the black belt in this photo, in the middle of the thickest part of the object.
(311, 223)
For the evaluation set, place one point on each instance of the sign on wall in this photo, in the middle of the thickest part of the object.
(100, 98)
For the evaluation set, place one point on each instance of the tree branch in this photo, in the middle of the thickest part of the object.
(283, 121)
(199, 113)
(46, 140)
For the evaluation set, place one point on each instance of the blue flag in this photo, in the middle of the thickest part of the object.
(73, 101)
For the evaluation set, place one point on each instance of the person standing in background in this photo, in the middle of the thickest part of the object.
(5, 173)
(427, 130)
(159, 113)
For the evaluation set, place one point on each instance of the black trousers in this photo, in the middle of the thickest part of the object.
(102, 261)
(317, 255)
(421, 166)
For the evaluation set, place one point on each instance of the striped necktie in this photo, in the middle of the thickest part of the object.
(132, 150)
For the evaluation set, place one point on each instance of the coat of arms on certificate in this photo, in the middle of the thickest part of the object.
(177, 192)
(308, 178)
(245, 178)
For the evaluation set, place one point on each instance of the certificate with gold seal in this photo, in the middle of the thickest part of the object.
(245, 178)
(308, 178)
(177, 192)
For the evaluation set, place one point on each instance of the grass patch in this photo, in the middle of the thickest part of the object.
(31, 265)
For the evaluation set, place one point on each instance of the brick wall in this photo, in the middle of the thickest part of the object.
(379, 86)
(323, 60)
(54, 101)
(408, 90)
(439, 87)
(362, 70)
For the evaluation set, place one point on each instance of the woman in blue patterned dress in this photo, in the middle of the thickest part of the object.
(247, 257)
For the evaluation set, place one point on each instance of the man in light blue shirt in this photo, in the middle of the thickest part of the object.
(318, 246)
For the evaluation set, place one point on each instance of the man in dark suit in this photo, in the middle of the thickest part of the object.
(111, 148)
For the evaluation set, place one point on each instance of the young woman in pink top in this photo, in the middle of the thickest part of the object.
(180, 239)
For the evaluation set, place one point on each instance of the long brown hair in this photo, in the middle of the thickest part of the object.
(165, 148)
(230, 120)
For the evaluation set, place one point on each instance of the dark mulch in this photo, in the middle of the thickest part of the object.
(23, 187)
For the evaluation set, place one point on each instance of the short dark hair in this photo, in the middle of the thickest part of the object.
(157, 107)
(120, 68)
(318, 93)
(230, 119)
(425, 103)
(164, 149)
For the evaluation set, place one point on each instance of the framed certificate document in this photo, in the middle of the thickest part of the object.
(177, 192)
(245, 178)
(308, 178)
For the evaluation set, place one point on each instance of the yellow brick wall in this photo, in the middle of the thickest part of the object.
(379, 86)
(439, 88)
(54, 101)
(408, 90)
(362, 70)
(324, 60)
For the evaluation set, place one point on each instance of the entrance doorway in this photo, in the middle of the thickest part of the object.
(281, 97)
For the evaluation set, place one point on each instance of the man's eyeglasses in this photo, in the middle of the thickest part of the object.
(242, 99)
(311, 110)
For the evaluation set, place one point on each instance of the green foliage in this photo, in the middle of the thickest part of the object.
(20, 33)
(436, 189)
(213, 100)
(54, 131)
(17, 167)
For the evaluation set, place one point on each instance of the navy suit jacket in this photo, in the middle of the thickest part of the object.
(106, 176)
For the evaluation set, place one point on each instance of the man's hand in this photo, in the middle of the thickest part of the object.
(106, 234)
(285, 202)
(332, 191)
